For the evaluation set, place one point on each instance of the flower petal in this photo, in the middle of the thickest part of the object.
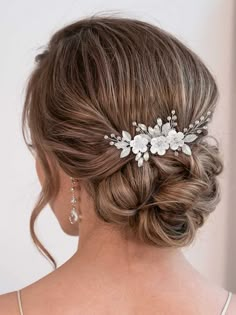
(166, 145)
(143, 149)
(153, 149)
(161, 151)
(181, 143)
(180, 135)
(172, 132)
(147, 137)
(174, 146)
(135, 150)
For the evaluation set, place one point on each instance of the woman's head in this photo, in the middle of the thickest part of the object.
(96, 77)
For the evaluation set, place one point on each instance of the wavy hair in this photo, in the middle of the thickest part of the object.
(95, 77)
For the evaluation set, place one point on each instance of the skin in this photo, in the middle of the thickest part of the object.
(110, 274)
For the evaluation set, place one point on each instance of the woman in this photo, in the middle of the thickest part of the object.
(118, 111)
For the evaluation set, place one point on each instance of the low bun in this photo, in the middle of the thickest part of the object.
(167, 200)
(119, 195)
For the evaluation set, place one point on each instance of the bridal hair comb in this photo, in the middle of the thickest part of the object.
(158, 139)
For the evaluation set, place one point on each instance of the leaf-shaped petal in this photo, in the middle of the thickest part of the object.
(143, 127)
(156, 127)
(151, 130)
(186, 149)
(159, 122)
(146, 156)
(166, 128)
(126, 135)
(190, 138)
(138, 155)
(140, 162)
(125, 152)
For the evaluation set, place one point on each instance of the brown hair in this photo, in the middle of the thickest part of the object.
(96, 76)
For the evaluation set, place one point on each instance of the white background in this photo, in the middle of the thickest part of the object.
(26, 26)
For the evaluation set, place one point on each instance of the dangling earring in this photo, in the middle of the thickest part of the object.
(74, 216)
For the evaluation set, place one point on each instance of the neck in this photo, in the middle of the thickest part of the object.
(107, 248)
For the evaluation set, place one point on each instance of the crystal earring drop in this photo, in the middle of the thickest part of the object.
(74, 216)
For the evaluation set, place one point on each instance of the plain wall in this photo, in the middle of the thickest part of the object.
(205, 26)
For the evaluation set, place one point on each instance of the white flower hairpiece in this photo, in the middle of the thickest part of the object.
(158, 139)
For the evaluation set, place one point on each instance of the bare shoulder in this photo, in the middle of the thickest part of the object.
(232, 305)
(9, 304)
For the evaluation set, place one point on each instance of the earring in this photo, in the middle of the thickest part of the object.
(74, 216)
